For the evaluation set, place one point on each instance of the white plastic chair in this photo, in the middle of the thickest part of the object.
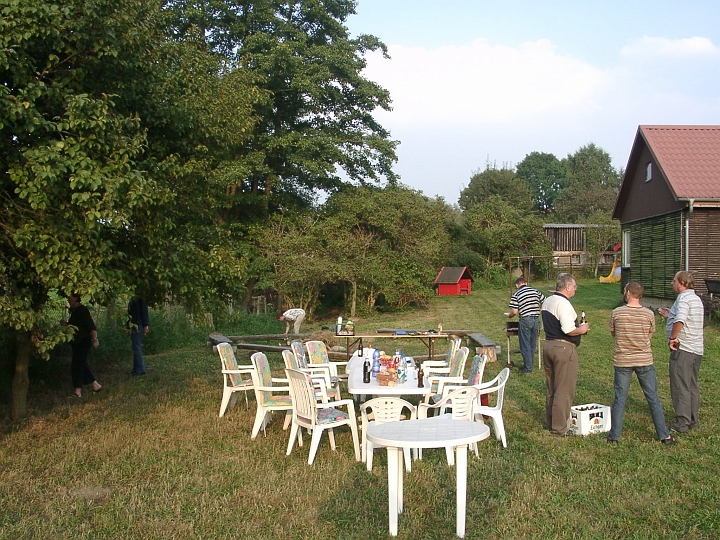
(453, 373)
(315, 372)
(453, 345)
(475, 376)
(266, 395)
(317, 353)
(317, 417)
(462, 403)
(233, 380)
(383, 410)
(494, 412)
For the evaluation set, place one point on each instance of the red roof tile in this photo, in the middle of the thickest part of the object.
(689, 157)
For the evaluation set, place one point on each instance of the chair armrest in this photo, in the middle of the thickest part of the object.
(433, 363)
(279, 379)
(435, 371)
(273, 388)
(238, 371)
(443, 381)
(339, 403)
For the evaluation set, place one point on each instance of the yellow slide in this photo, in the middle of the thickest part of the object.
(613, 276)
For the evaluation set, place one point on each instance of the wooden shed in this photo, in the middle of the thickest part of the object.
(453, 280)
(669, 208)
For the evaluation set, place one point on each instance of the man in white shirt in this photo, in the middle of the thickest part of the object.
(296, 316)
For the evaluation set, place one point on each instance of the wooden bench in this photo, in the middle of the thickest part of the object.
(484, 346)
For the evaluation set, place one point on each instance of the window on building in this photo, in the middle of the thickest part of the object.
(626, 249)
(648, 172)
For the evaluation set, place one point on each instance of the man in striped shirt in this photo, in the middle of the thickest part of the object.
(684, 332)
(526, 301)
(633, 326)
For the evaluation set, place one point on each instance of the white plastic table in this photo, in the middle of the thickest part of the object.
(435, 432)
(357, 387)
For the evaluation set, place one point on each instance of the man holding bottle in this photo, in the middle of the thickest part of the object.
(560, 358)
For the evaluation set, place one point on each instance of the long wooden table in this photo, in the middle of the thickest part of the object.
(427, 338)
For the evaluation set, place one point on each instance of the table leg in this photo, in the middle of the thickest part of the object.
(394, 487)
(461, 471)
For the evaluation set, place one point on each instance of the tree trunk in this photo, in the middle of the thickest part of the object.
(353, 303)
(21, 382)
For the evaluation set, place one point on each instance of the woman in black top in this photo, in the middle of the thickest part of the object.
(85, 337)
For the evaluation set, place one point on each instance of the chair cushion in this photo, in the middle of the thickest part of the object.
(282, 401)
(330, 414)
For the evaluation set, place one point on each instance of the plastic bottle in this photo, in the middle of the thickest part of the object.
(376, 362)
(339, 326)
(440, 327)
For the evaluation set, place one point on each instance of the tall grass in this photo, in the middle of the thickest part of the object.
(149, 458)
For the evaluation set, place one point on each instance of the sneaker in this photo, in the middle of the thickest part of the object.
(669, 440)
(679, 430)
(612, 441)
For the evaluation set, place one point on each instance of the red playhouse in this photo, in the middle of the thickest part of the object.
(453, 280)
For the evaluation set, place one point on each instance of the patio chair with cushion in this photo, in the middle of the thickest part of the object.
(268, 396)
(315, 372)
(317, 417)
(453, 373)
(233, 380)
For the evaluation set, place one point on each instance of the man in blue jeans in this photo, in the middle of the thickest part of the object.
(139, 326)
(526, 301)
(633, 326)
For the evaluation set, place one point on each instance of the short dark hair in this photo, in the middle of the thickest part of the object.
(520, 281)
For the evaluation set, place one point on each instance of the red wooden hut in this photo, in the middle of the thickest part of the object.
(453, 280)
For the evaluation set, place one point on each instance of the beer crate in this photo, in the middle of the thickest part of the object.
(589, 418)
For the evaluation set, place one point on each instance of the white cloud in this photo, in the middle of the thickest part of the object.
(480, 83)
(658, 47)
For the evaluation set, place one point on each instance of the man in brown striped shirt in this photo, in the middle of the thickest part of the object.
(633, 326)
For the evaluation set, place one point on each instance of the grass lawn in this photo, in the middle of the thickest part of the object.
(149, 458)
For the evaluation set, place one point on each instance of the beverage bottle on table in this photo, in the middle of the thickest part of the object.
(376, 362)
(421, 375)
(366, 371)
(360, 351)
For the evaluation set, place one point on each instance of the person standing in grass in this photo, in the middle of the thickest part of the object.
(84, 338)
(139, 326)
(560, 358)
(684, 332)
(633, 325)
(526, 301)
(295, 316)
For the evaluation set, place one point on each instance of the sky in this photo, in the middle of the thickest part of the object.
(478, 83)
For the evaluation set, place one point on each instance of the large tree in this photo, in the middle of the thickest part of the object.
(593, 184)
(106, 164)
(315, 127)
(546, 176)
(491, 182)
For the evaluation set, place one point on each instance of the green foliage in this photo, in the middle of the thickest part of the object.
(593, 184)
(546, 177)
(503, 183)
(501, 230)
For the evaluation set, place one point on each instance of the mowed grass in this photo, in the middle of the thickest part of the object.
(149, 458)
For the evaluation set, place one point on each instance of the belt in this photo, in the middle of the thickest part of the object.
(563, 341)
(529, 316)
